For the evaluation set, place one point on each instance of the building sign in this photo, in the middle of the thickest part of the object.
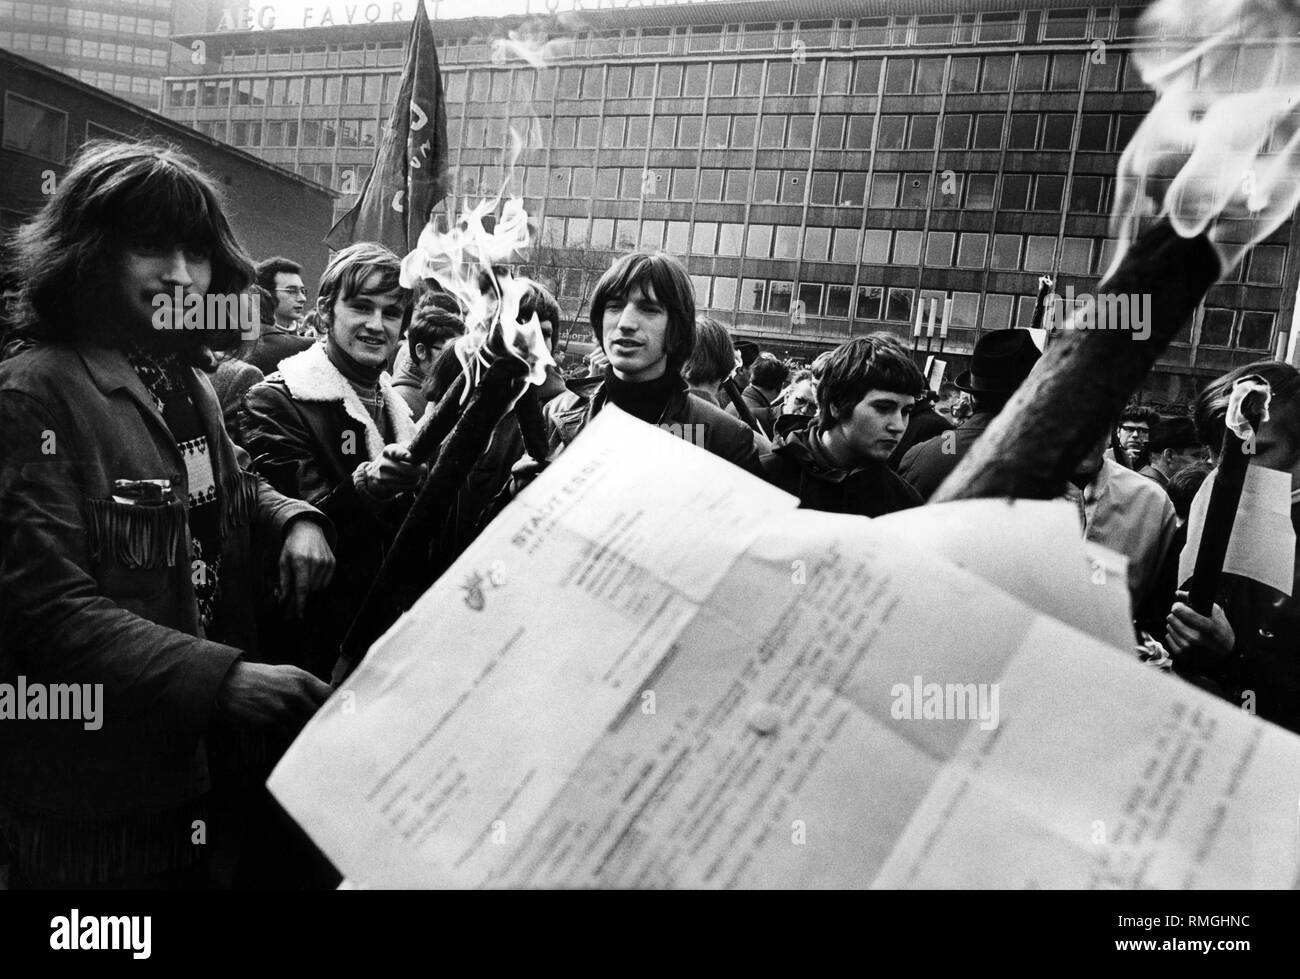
(266, 17)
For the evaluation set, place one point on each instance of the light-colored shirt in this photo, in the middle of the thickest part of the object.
(1131, 514)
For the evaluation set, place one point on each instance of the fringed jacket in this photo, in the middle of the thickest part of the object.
(97, 590)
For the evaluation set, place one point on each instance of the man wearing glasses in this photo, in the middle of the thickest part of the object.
(1132, 436)
(281, 278)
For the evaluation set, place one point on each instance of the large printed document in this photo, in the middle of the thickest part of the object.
(652, 670)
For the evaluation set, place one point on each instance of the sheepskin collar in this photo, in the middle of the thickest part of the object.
(310, 376)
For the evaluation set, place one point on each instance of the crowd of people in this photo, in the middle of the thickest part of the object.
(191, 518)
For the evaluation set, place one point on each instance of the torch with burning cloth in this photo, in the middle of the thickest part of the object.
(502, 360)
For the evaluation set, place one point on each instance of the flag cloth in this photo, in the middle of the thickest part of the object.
(1262, 545)
(410, 172)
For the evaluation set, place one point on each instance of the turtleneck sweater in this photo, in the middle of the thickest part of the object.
(644, 399)
(364, 381)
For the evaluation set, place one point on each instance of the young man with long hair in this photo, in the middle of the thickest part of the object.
(125, 521)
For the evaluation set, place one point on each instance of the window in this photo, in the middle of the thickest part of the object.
(778, 78)
(995, 28)
(771, 134)
(810, 298)
(1040, 252)
(638, 131)
(724, 292)
(678, 237)
(704, 237)
(866, 77)
(617, 80)
(793, 188)
(1006, 252)
(611, 136)
(1102, 75)
(916, 189)
(715, 132)
(997, 74)
(875, 247)
(971, 250)
(844, 246)
(1031, 73)
(884, 190)
(859, 134)
(737, 186)
(1127, 125)
(899, 306)
(1094, 131)
(670, 81)
(1048, 192)
(1024, 131)
(891, 132)
(751, 295)
(837, 78)
(683, 185)
(689, 129)
(1266, 264)
(1066, 71)
(607, 182)
(800, 133)
(823, 187)
(652, 235)
(710, 186)
(588, 133)
(786, 243)
(1076, 256)
(837, 301)
(929, 76)
(964, 74)
(1216, 327)
(956, 132)
(898, 76)
(830, 132)
(1256, 331)
(1057, 129)
(1065, 25)
(997, 312)
(938, 248)
(988, 132)
(870, 302)
(643, 81)
(817, 244)
(778, 297)
(724, 79)
(766, 183)
(907, 248)
(696, 81)
(750, 79)
(1086, 195)
(758, 241)
(1015, 192)
(947, 189)
(922, 136)
(853, 189)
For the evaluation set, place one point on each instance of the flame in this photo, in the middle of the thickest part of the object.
(1219, 152)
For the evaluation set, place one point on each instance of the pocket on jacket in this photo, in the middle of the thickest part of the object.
(136, 536)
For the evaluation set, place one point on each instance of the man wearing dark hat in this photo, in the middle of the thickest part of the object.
(1001, 361)
(1174, 446)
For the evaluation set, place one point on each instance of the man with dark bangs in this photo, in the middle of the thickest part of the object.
(839, 463)
(643, 316)
(329, 428)
(125, 521)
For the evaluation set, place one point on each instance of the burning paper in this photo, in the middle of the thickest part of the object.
(1218, 153)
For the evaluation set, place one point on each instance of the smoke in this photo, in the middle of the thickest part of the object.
(1219, 152)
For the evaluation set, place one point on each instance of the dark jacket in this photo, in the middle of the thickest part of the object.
(1151, 472)
(685, 416)
(95, 591)
(924, 424)
(307, 432)
(411, 385)
(764, 412)
(799, 465)
(1265, 660)
(231, 380)
(273, 346)
(927, 464)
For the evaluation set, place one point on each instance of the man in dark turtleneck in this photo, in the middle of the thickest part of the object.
(643, 316)
(328, 428)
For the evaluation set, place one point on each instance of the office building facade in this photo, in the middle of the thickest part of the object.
(848, 167)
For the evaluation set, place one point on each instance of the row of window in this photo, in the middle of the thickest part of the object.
(1092, 132)
(369, 90)
(40, 13)
(111, 82)
(103, 50)
(350, 55)
(347, 133)
(934, 249)
(901, 76)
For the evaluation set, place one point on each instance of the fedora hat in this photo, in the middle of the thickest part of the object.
(1001, 361)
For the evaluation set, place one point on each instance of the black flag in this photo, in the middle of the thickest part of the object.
(410, 172)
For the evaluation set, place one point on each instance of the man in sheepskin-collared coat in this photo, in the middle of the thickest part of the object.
(329, 429)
